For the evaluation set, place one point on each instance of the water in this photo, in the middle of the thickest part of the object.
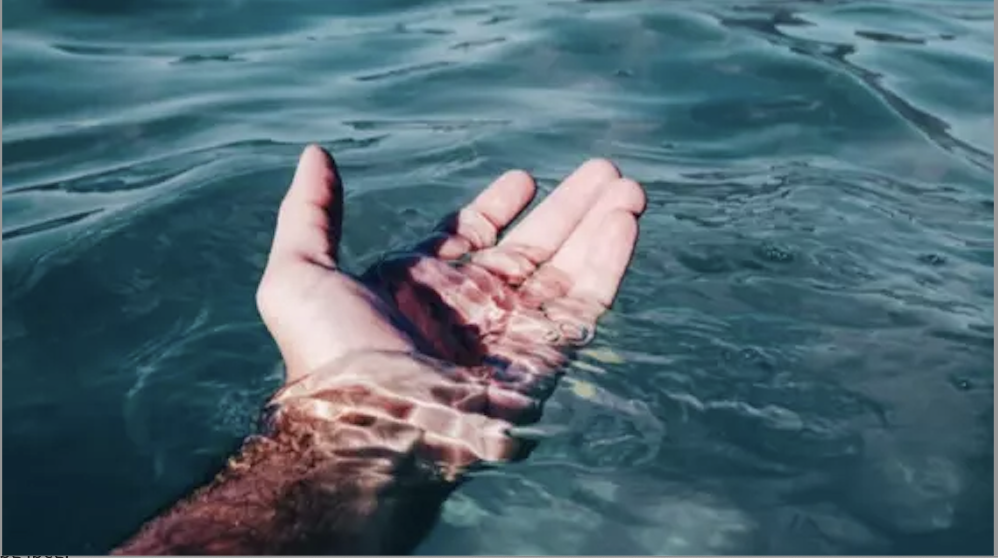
(799, 362)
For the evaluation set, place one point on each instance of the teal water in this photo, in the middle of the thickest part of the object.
(800, 360)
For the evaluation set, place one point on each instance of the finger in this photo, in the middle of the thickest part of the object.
(598, 276)
(500, 403)
(478, 224)
(311, 215)
(622, 194)
(554, 279)
(551, 223)
(528, 363)
(512, 264)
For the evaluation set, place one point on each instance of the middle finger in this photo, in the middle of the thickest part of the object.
(551, 223)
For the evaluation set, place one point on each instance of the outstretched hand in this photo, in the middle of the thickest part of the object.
(400, 379)
(500, 308)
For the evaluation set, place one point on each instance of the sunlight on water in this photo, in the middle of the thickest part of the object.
(800, 360)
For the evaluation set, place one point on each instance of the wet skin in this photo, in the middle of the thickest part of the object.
(401, 378)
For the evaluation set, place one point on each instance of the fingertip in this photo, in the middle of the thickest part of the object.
(316, 163)
(626, 194)
(316, 180)
(519, 181)
(316, 151)
(517, 175)
(311, 213)
(600, 167)
(505, 198)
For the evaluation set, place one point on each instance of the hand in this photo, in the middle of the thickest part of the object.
(428, 359)
(495, 317)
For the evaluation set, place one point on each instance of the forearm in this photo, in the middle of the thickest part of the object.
(355, 457)
(353, 485)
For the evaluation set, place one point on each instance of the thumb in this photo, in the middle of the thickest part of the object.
(310, 219)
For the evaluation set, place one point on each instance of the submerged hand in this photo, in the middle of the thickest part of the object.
(399, 380)
(501, 311)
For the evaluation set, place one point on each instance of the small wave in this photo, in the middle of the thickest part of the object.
(49, 224)
(478, 43)
(768, 22)
(207, 58)
(405, 71)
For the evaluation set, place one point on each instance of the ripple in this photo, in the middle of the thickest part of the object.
(800, 360)
(478, 43)
(405, 71)
(203, 58)
(97, 50)
(838, 54)
(53, 223)
(883, 37)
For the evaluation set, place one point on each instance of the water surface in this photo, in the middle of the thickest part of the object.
(800, 360)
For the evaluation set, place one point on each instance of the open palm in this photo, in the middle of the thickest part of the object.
(484, 322)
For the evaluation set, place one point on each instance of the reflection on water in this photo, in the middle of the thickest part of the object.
(800, 360)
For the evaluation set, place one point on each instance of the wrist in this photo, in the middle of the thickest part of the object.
(447, 417)
(355, 481)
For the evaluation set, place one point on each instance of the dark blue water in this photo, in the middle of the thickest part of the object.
(800, 360)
